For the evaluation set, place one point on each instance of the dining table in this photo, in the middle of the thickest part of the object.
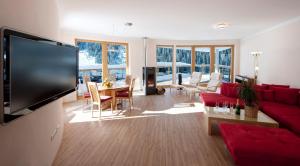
(112, 91)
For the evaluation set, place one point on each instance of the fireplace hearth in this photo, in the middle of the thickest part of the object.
(149, 78)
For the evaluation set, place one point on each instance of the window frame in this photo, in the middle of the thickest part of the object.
(104, 45)
(172, 67)
(212, 57)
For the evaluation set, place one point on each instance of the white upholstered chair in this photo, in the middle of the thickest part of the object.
(194, 80)
(213, 83)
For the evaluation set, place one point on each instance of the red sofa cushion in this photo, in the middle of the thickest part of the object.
(259, 94)
(255, 145)
(268, 95)
(286, 95)
(230, 89)
(292, 123)
(210, 99)
(287, 116)
(277, 111)
(259, 89)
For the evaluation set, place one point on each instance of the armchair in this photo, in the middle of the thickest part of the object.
(212, 85)
(194, 81)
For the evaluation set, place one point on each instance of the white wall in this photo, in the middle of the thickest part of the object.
(279, 63)
(26, 141)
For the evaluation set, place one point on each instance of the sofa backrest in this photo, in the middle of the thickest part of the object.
(230, 90)
(286, 95)
(299, 98)
(269, 86)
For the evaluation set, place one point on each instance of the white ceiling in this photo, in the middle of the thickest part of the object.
(176, 19)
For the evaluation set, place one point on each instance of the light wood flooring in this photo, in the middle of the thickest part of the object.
(167, 130)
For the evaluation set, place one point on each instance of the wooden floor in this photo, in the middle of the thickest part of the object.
(167, 130)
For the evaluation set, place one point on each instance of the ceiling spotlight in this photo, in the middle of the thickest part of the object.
(222, 25)
(129, 24)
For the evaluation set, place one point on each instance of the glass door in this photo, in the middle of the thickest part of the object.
(202, 62)
(223, 60)
(116, 56)
(164, 59)
(183, 63)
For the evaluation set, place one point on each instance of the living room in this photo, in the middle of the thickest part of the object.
(180, 42)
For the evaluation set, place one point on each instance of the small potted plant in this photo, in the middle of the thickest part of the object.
(248, 95)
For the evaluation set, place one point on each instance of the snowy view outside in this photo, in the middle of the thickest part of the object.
(202, 63)
(164, 60)
(117, 61)
(223, 62)
(183, 63)
(90, 60)
(164, 65)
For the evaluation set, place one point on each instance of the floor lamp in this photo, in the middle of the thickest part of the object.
(256, 55)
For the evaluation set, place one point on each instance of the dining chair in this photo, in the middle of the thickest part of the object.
(98, 99)
(127, 95)
(128, 79)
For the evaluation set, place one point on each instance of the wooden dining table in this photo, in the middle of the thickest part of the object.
(112, 91)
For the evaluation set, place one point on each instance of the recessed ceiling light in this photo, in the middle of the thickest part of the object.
(129, 24)
(222, 25)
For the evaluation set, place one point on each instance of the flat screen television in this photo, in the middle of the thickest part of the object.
(35, 72)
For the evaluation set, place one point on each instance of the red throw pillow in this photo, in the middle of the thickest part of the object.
(230, 89)
(224, 89)
(286, 95)
(268, 95)
(233, 91)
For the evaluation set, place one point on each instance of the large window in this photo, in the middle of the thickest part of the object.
(200, 58)
(117, 61)
(202, 62)
(223, 62)
(100, 60)
(164, 60)
(183, 62)
(90, 60)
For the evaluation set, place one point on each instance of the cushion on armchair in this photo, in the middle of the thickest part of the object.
(195, 78)
(212, 85)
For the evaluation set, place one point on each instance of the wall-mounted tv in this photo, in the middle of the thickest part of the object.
(35, 72)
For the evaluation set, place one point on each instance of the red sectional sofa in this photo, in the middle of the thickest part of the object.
(261, 146)
(280, 102)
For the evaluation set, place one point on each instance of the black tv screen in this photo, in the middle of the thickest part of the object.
(39, 71)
